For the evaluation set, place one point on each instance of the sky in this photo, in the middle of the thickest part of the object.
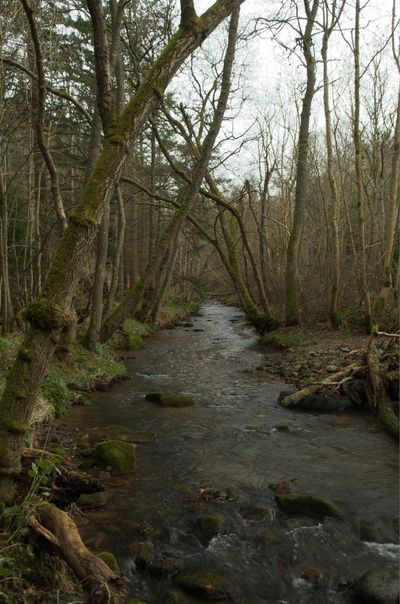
(272, 75)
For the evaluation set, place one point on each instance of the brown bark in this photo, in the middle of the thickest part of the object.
(363, 268)
(51, 312)
(47, 156)
(293, 315)
(186, 199)
(102, 584)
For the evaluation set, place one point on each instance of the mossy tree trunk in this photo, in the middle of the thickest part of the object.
(186, 198)
(331, 16)
(360, 199)
(52, 311)
(391, 224)
(292, 286)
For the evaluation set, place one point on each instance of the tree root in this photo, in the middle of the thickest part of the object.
(102, 584)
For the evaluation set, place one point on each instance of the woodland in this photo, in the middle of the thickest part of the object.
(154, 155)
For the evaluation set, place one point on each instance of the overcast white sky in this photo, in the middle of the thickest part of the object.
(270, 74)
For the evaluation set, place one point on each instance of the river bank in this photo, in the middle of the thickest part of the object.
(32, 574)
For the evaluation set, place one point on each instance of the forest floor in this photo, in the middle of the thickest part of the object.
(304, 355)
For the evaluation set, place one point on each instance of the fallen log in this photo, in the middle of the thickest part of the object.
(328, 386)
(379, 399)
(369, 382)
(103, 585)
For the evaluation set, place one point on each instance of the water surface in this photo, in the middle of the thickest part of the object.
(228, 439)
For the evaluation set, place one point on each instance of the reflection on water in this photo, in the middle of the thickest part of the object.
(227, 439)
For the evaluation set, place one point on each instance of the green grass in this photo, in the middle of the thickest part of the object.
(282, 339)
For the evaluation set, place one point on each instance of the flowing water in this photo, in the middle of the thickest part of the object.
(228, 440)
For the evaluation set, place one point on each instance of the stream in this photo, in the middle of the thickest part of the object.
(228, 440)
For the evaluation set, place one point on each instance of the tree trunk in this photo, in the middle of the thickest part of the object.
(363, 269)
(292, 301)
(391, 223)
(51, 313)
(186, 198)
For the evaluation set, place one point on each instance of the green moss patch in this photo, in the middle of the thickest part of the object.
(88, 501)
(282, 339)
(110, 560)
(118, 455)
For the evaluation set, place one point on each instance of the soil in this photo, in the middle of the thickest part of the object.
(322, 351)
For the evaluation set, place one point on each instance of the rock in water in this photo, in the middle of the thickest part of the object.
(118, 455)
(378, 586)
(205, 584)
(308, 504)
(169, 399)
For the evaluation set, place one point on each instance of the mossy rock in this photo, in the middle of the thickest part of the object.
(122, 433)
(130, 601)
(116, 454)
(142, 551)
(377, 586)
(165, 567)
(88, 501)
(308, 504)
(212, 524)
(110, 560)
(135, 342)
(205, 584)
(169, 399)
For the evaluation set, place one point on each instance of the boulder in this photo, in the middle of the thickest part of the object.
(115, 454)
(164, 566)
(205, 584)
(377, 586)
(142, 551)
(89, 501)
(308, 504)
(211, 525)
(169, 399)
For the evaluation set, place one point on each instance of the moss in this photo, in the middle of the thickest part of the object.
(119, 455)
(134, 327)
(390, 420)
(88, 501)
(45, 316)
(212, 524)
(110, 560)
(283, 339)
(14, 426)
(56, 391)
(135, 342)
